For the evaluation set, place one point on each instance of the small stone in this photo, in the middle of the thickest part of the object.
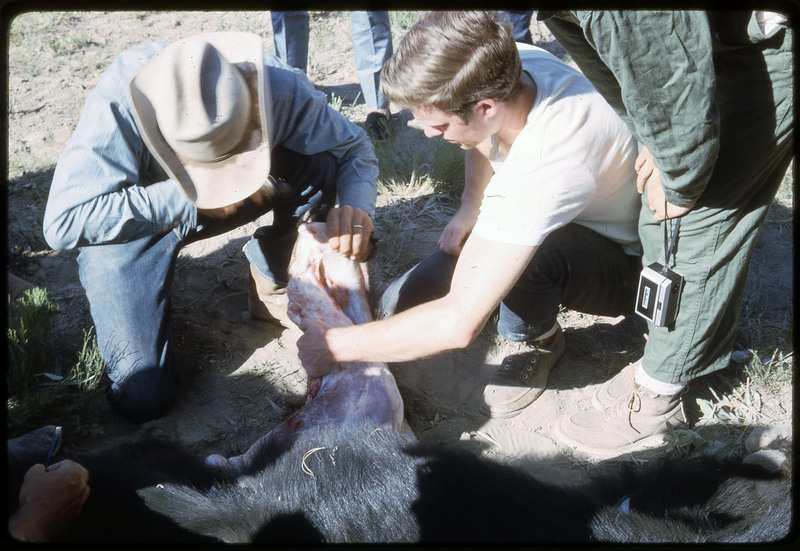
(770, 460)
(761, 438)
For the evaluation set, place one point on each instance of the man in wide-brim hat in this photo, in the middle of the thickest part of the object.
(182, 142)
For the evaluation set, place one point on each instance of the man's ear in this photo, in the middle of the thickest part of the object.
(485, 108)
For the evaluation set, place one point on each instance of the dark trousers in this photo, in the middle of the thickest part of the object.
(575, 267)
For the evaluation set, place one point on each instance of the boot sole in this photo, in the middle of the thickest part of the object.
(646, 443)
(500, 415)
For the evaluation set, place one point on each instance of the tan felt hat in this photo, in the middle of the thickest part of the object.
(203, 107)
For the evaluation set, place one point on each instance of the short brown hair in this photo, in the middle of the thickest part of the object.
(452, 59)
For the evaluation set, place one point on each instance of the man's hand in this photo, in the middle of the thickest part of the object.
(648, 178)
(50, 499)
(313, 350)
(349, 230)
(452, 239)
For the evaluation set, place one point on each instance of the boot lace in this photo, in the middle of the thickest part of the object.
(627, 404)
(520, 361)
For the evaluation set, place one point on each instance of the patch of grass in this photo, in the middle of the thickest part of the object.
(415, 202)
(54, 405)
(37, 32)
(87, 373)
(408, 209)
(776, 370)
(418, 190)
(30, 327)
(738, 400)
(40, 392)
(79, 40)
(25, 35)
(335, 102)
(347, 109)
(402, 21)
(416, 159)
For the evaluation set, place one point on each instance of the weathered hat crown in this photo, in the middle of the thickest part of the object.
(205, 106)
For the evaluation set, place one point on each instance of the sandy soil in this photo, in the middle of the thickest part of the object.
(240, 378)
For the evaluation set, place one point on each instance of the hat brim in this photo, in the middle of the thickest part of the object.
(220, 183)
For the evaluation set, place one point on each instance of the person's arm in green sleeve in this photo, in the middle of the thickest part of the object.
(663, 62)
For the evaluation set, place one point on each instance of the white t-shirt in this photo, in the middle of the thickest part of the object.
(572, 162)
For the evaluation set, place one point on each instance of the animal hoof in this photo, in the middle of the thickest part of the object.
(221, 465)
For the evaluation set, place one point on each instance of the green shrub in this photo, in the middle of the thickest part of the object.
(87, 373)
(30, 350)
(39, 392)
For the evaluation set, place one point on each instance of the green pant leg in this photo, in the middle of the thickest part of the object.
(718, 237)
(712, 254)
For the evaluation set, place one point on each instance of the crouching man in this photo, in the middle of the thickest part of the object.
(182, 142)
(547, 218)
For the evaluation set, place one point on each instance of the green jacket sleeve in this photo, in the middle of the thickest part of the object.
(664, 65)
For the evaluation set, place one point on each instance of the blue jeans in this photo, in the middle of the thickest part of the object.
(372, 46)
(128, 290)
(574, 267)
(521, 21)
(290, 33)
(128, 286)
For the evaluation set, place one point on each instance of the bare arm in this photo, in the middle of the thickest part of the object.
(478, 173)
(486, 271)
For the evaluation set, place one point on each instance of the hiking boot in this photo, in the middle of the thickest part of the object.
(615, 388)
(267, 301)
(522, 377)
(636, 420)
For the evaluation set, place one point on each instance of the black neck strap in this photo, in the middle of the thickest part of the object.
(668, 249)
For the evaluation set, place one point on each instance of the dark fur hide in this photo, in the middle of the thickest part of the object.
(379, 486)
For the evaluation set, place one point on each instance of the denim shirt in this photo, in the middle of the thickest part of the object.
(108, 188)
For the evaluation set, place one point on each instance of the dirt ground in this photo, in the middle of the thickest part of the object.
(240, 378)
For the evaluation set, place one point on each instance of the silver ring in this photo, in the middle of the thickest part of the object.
(357, 226)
